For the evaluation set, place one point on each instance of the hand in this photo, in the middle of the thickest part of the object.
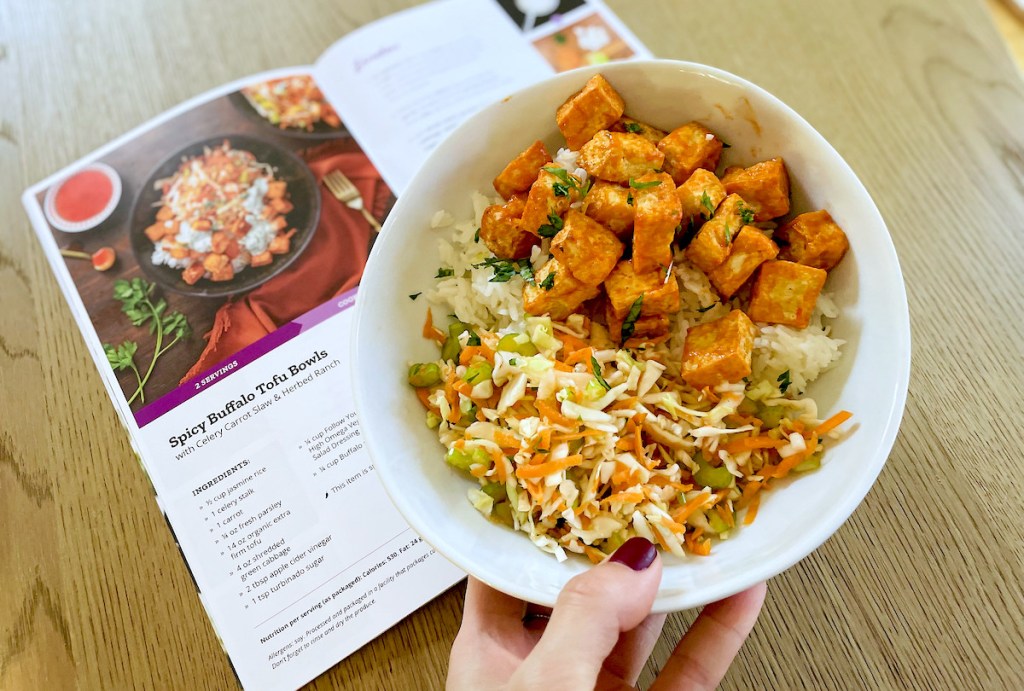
(599, 635)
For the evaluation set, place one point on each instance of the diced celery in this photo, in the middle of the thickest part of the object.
(812, 462)
(593, 390)
(478, 372)
(771, 415)
(748, 407)
(462, 459)
(451, 348)
(502, 513)
(496, 491)
(715, 478)
(517, 343)
(717, 523)
(433, 419)
(613, 543)
(424, 374)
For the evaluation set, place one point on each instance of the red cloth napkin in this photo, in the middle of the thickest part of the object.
(331, 264)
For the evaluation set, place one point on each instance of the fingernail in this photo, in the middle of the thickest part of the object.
(637, 553)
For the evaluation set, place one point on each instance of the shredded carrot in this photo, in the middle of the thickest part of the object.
(463, 387)
(689, 508)
(562, 367)
(750, 443)
(595, 556)
(469, 352)
(725, 514)
(500, 471)
(453, 398)
(570, 343)
(624, 404)
(626, 497)
(582, 355)
(551, 412)
(478, 470)
(430, 331)
(752, 510)
(787, 464)
(673, 526)
(505, 439)
(624, 444)
(749, 493)
(833, 422)
(660, 540)
(701, 548)
(544, 469)
(424, 396)
(577, 435)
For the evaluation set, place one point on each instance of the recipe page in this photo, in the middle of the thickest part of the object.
(214, 274)
(411, 78)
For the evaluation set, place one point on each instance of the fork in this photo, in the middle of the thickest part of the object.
(345, 191)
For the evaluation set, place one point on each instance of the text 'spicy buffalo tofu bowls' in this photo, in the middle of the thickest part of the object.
(646, 299)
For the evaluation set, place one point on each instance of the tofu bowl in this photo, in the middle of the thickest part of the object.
(660, 402)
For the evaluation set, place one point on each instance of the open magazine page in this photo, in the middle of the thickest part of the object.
(408, 80)
(213, 274)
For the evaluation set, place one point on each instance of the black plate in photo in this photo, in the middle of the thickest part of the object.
(302, 193)
(320, 130)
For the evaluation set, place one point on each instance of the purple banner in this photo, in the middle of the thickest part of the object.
(243, 357)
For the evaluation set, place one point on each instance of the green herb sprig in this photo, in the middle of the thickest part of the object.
(138, 304)
(596, 366)
(629, 325)
(505, 269)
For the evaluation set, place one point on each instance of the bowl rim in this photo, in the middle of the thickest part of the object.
(762, 570)
(66, 226)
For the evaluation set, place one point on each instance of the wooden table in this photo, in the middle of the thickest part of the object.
(922, 588)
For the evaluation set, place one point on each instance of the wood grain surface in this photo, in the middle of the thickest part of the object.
(921, 588)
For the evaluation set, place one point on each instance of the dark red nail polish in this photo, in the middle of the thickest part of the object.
(637, 553)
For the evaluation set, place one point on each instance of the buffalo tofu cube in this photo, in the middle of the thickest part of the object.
(785, 293)
(750, 249)
(522, 170)
(764, 187)
(700, 195)
(587, 249)
(624, 286)
(653, 327)
(713, 242)
(718, 351)
(619, 156)
(688, 148)
(813, 239)
(657, 216)
(648, 132)
(548, 197)
(555, 292)
(611, 205)
(500, 231)
(597, 106)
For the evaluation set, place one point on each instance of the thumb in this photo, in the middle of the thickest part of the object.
(591, 612)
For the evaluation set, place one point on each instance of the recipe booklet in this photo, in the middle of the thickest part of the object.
(212, 258)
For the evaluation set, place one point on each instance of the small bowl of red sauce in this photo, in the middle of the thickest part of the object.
(84, 199)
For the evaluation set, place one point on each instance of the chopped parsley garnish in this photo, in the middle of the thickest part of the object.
(597, 373)
(512, 361)
(476, 236)
(505, 269)
(728, 234)
(634, 127)
(746, 214)
(474, 339)
(702, 310)
(629, 325)
(567, 182)
(415, 295)
(725, 144)
(784, 381)
(705, 201)
(444, 273)
(549, 281)
(643, 185)
(629, 199)
(551, 228)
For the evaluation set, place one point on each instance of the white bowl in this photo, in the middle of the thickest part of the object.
(870, 380)
(68, 226)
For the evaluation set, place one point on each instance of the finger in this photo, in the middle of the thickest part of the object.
(628, 657)
(591, 612)
(704, 654)
(485, 607)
